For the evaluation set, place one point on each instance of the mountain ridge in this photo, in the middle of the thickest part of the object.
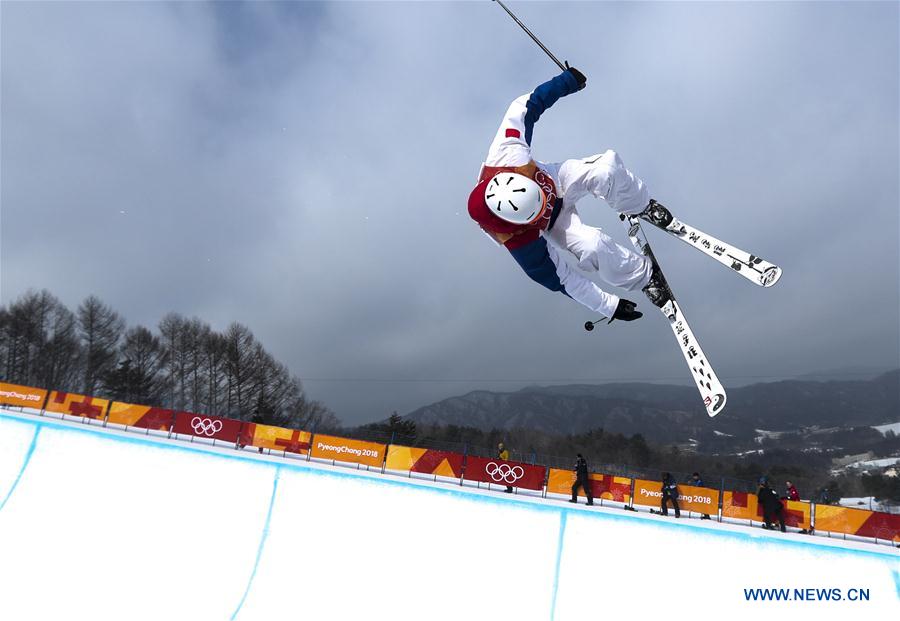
(665, 412)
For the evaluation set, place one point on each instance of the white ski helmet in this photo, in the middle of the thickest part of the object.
(515, 198)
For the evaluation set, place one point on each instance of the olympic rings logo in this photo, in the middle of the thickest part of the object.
(206, 426)
(504, 472)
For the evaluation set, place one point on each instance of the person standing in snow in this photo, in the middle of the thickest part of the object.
(528, 207)
(771, 504)
(669, 493)
(582, 480)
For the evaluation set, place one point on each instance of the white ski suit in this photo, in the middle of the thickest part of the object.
(603, 176)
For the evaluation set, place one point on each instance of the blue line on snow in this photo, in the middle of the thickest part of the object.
(262, 544)
(559, 550)
(37, 431)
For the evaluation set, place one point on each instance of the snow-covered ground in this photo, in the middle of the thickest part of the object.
(102, 524)
(870, 464)
(869, 503)
(892, 427)
(762, 434)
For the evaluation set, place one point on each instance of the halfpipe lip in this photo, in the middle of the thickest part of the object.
(525, 501)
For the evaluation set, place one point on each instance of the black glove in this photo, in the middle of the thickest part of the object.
(578, 76)
(626, 311)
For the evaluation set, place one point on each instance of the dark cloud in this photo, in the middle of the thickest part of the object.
(302, 168)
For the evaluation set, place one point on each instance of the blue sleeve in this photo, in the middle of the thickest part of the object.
(534, 259)
(545, 96)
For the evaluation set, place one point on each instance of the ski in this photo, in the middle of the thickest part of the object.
(711, 390)
(753, 268)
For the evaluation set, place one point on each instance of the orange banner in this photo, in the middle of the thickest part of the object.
(142, 416)
(22, 396)
(745, 506)
(605, 486)
(345, 449)
(647, 493)
(858, 522)
(275, 438)
(740, 506)
(797, 513)
(701, 500)
(425, 461)
(840, 519)
(77, 405)
(698, 499)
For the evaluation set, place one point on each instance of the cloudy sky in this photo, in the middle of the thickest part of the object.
(302, 168)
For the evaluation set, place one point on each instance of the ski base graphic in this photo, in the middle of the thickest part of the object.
(755, 269)
(711, 390)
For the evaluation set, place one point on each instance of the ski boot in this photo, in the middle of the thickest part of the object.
(657, 289)
(657, 215)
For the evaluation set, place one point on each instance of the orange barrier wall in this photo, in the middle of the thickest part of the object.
(647, 493)
(345, 449)
(797, 513)
(605, 486)
(858, 522)
(427, 461)
(690, 498)
(141, 416)
(76, 405)
(745, 506)
(22, 396)
(698, 499)
(740, 506)
(275, 438)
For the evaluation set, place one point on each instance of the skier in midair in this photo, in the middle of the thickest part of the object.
(529, 207)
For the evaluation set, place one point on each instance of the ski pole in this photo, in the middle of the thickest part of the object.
(589, 325)
(536, 40)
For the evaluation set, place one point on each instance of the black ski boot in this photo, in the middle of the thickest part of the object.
(657, 289)
(657, 215)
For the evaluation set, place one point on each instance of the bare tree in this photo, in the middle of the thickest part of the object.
(59, 361)
(188, 366)
(310, 414)
(241, 354)
(170, 329)
(100, 329)
(139, 376)
(13, 342)
(39, 342)
(214, 371)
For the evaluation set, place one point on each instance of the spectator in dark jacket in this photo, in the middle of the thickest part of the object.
(669, 492)
(697, 481)
(771, 504)
(581, 480)
(792, 493)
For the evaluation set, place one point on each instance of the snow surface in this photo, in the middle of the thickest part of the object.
(893, 427)
(103, 524)
(875, 463)
(869, 503)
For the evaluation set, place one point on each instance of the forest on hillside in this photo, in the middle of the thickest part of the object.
(183, 364)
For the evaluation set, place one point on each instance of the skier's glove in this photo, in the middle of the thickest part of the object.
(578, 76)
(626, 311)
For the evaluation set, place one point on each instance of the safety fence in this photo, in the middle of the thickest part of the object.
(447, 466)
